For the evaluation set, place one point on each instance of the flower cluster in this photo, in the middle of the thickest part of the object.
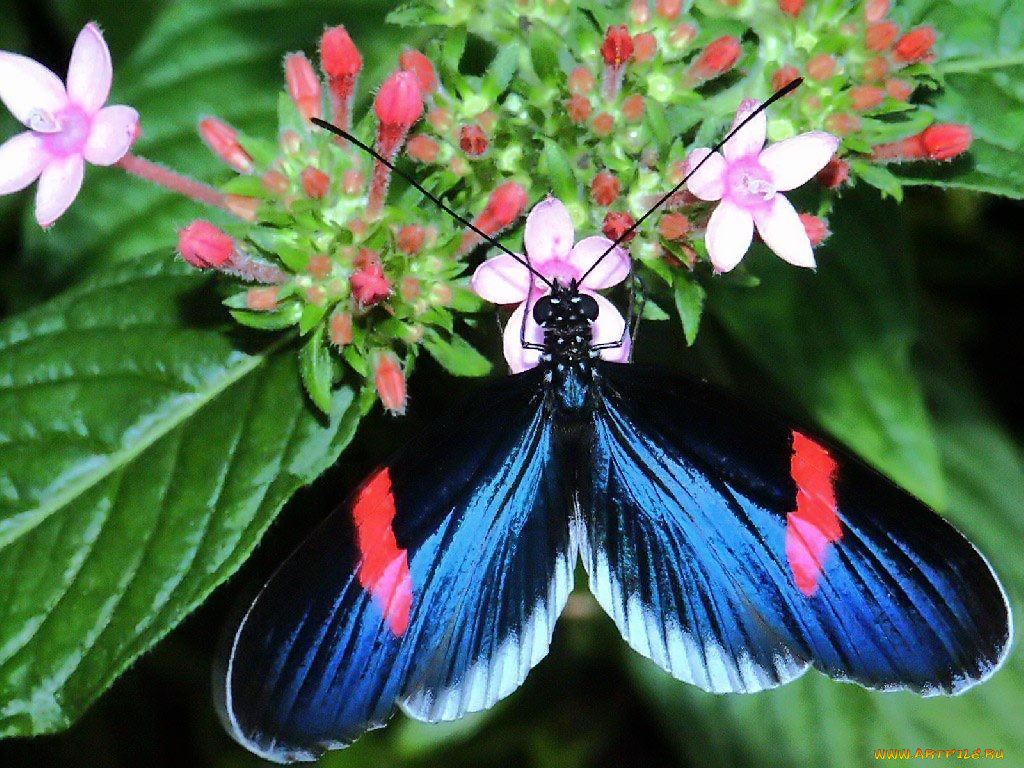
(590, 111)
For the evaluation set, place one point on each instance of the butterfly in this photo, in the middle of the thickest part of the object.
(733, 550)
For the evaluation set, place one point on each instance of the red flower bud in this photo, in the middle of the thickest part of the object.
(242, 206)
(440, 119)
(834, 174)
(581, 81)
(821, 67)
(605, 188)
(341, 61)
(222, 140)
(410, 288)
(791, 7)
(876, 69)
(915, 45)
(617, 48)
(866, 97)
(413, 61)
(505, 205)
(262, 299)
(716, 59)
(668, 9)
(410, 239)
(340, 328)
(615, 225)
(784, 76)
(390, 381)
(399, 101)
(944, 141)
(291, 142)
(370, 285)
(578, 108)
(633, 108)
(876, 10)
(817, 229)
(422, 148)
(674, 226)
(901, 90)
(303, 85)
(352, 182)
(472, 140)
(320, 266)
(276, 183)
(843, 123)
(604, 124)
(880, 35)
(640, 12)
(682, 35)
(204, 246)
(339, 56)
(316, 183)
(645, 46)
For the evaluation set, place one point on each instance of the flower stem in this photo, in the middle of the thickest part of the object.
(174, 181)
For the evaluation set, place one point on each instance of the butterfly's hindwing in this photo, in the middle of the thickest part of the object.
(735, 551)
(435, 587)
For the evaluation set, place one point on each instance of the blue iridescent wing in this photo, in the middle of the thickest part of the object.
(435, 587)
(736, 552)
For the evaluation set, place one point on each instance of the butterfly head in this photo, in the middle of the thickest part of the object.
(566, 315)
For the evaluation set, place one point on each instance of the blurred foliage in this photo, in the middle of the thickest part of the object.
(898, 346)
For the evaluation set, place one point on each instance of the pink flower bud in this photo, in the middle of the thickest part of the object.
(423, 148)
(603, 124)
(320, 266)
(581, 81)
(370, 285)
(784, 76)
(821, 67)
(640, 12)
(645, 47)
(390, 381)
(674, 226)
(316, 183)
(866, 97)
(914, 46)
(222, 140)
(204, 246)
(341, 61)
(682, 35)
(633, 108)
(504, 207)
(716, 59)
(415, 62)
(242, 206)
(410, 239)
(791, 7)
(276, 183)
(262, 299)
(578, 107)
(669, 9)
(352, 182)
(605, 188)
(898, 89)
(303, 85)
(817, 229)
(472, 140)
(440, 119)
(615, 225)
(875, 69)
(399, 101)
(843, 123)
(340, 327)
(834, 174)
(876, 10)
(880, 35)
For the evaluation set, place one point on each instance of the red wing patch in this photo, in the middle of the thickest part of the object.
(815, 523)
(384, 569)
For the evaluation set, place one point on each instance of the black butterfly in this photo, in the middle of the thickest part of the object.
(732, 550)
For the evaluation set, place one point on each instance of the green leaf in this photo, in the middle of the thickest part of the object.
(981, 45)
(815, 721)
(456, 355)
(197, 58)
(145, 450)
(317, 370)
(838, 342)
(500, 72)
(879, 177)
(689, 296)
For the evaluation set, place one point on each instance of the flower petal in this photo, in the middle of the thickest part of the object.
(112, 135)
(22, 158)
(608, 328)
(26, 86)
(781, 229)
(795, 160)
(708, 183)
(613, 269)
(549, 232)
(501, 280)
(90, 72)
(730, 231)
(59, 184)
(519, 358)
(750, 138)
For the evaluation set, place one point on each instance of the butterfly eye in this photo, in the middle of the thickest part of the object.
(543, 310)
(588, 306)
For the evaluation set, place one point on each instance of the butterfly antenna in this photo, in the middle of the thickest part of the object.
(784, 90)
(429, 195)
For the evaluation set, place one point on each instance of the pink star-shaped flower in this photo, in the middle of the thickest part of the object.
(550, 242)
(748, 177)
(67, 125)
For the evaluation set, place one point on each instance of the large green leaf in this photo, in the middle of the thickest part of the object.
(144, 451)
(198, 58)
(982, 64)
(815, 721)
(838, 342)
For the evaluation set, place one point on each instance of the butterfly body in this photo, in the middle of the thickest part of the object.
(729, 548)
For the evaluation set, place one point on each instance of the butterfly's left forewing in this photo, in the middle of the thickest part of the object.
(736, 552)
(435, 587)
